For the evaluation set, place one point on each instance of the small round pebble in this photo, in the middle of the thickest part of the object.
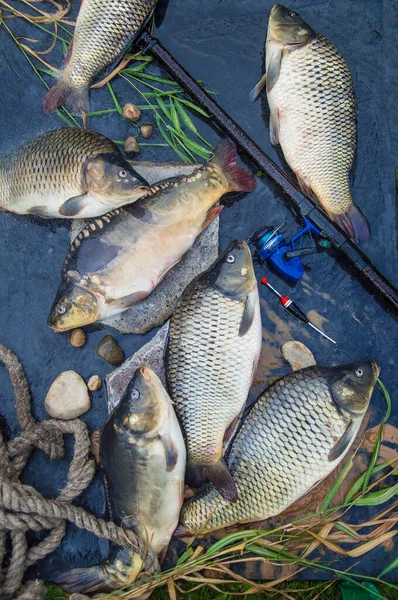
(146, 131)
(131, 145)
(78, 338)
(131, 112)
(67, 397)
(108, 349)
(94, 383)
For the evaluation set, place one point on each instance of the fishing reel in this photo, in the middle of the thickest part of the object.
(283, 255)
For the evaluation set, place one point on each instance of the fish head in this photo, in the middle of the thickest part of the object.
(111, 180)
(352, 386)
(287, 27)
(233, 272)
(73, 307)
(146, 405)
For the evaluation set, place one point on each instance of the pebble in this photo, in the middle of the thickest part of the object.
(131, 112)
(108, 349)
(94, 383)
(131, 145)
(297, 355)
(67, 397)
(146, 131)
(77, 338)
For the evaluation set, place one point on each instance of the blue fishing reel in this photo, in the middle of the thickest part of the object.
(283, 255)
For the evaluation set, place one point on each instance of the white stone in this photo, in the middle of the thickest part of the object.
(67, 397)
(297, 355)
(94, 383)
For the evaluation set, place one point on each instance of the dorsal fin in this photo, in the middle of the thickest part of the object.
(171, 182)
(164, 185)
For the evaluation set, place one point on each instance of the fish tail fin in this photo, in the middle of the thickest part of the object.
(92, 579)
(64, 92)
(217, 473)
(180, 532)
(354, 223)
(239, 180)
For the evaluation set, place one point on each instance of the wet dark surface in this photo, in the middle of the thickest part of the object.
(223, 44)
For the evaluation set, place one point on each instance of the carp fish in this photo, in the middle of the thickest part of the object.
(68, 173)
(312, 114)
(118, 259)
(213, 348)
(294, 435)
(142, 457)
(104, 31)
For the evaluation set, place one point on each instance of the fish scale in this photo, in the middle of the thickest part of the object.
(318, 133)
(209, 366)
(312, 114)
(280, 452)
(104, 29)
(67, 173)
(118, 259)
(50, 163)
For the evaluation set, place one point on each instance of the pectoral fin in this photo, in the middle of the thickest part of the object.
(274, 67)
(170, 451)
(274, 127)
(343, 443)
(40, 211)
(248, 315)
(74, 206)
(258, 88)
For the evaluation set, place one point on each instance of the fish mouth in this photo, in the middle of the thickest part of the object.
(145, 372)
(375, 367)
(140, 191)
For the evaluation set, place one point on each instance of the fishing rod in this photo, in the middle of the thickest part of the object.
(346, 250)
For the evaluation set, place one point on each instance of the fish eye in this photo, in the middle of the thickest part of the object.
(230, 258)
(134, 394)
(61, 310)
(359, 373)
(292, 14)
(122, 173)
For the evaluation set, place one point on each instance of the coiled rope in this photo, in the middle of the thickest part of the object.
(22, 508)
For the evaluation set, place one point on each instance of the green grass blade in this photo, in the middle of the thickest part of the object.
(174, 116)
(378, 497)
(376, 449)
(393, 564)
(158, 79)
(134, 70)
(115, 100)
(198, 109)
(337, 485)
(344, 529)
(48, 72)
(197, 148)
(169, 140)
(179, 141)
(186, 119)
(65, 47)
(185, 556)
(163, 107)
